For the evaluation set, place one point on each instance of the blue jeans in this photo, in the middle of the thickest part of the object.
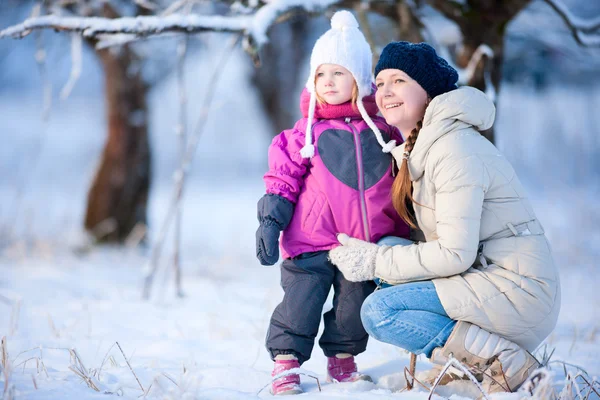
(408, 315)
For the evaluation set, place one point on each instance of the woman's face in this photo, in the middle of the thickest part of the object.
(401, 100)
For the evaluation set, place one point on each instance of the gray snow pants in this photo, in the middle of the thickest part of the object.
(306, 281)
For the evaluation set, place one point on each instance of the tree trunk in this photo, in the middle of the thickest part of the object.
(482, 22)
(118, 196)
(281, 62)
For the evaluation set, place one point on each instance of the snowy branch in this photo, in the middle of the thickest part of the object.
(255, 26)
(585, 32)
(76, 49)
(140, 26)
(466, 75)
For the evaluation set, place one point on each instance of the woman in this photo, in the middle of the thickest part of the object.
(483, 287)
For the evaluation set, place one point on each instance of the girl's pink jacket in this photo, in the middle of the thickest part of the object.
(344, 188)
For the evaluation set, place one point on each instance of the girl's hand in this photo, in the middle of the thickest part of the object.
(355, 258)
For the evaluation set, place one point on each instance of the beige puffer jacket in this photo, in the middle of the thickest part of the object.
(485, 251)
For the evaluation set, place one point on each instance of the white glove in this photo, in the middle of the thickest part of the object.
(355, 258)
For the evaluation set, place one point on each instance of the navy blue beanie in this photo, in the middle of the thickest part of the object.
(421, 63)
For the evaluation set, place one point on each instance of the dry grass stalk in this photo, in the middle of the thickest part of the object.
(185, 162)
(6, 368)
(574, 340)
(567, 391)
(544, 356)
(129, 365)
(145, 394)
(53, 327)
(3, 353)
(565, 365)
(79, 369)
(113, 361)
(540, 385)
(590, 386)
(454, 362)
(592, 337)
(414, 379)
(39, 363)
(412, 370)
(34, 382)
(15, 305)
(110, 358)
(155, 383)
(169, 377)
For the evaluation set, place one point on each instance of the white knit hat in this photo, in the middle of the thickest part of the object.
(345, 45)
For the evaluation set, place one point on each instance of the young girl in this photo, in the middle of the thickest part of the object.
(330, 173)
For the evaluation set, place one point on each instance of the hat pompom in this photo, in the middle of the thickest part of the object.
(343, 19)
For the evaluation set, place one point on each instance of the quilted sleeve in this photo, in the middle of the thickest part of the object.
(287, 168)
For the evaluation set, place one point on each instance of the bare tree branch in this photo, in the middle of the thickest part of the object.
(254, 26)
(76, 49)
(140, 26)
(579, 28)
(181, 174)
(451, 10)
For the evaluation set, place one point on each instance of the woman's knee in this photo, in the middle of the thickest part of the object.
(372, 312)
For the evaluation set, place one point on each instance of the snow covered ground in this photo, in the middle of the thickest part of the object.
(56, 295)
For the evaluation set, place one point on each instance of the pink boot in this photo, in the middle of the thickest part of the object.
(342, 368)
(289, 384)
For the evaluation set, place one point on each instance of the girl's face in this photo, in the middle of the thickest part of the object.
(334, 83)
(401, 100)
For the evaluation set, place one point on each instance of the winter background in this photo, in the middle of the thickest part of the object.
(58, 296)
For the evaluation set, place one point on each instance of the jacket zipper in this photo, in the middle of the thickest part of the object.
(361, 180)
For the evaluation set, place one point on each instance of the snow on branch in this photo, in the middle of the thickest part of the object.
(255, 26)
(465, 76)
(141, 26)
(268, 14)
(585, 31)
(76, 49)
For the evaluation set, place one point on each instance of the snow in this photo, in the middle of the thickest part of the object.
(88, 301)
(256, 25)
(267, 15)
(56, 294)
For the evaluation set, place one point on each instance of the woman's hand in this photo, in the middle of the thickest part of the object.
(355, 258)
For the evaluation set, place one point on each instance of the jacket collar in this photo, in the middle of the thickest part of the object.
(461, 108)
